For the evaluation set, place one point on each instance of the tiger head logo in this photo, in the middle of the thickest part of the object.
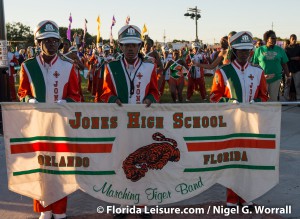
(153, 156)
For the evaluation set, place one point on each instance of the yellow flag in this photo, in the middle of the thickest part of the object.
(98, 29)
(144, 29)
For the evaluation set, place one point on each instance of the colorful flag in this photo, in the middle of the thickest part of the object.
(98, 29)
(69, 28)
(113, 22)
(85, 28)
(127, 20)
(177, 70)
(84, 32)
(144, 29)
(70, 18)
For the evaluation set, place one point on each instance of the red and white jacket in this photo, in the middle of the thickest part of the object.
(13, 61)
(241, 83)
(48, 82)
(118, 77)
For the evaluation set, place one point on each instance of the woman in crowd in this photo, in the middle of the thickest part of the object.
(272, 59)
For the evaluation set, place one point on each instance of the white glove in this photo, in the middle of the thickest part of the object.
(12, 64)
(235, 101)
(61, 102)
(33, 100)
(252, 101)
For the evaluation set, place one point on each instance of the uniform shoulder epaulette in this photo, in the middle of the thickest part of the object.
(29, 59)
(224, 65)
(255, 65)
(65, 58)
(150, 61)
(113, 62)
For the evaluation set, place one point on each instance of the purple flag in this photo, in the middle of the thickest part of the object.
(70, 18)
(113, 22)
(85, 27)
(69, 28)
(84, 32)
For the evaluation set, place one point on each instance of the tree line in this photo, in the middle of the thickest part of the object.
(19, 34)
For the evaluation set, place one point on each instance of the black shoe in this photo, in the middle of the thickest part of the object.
(146, 216)
(119, 216)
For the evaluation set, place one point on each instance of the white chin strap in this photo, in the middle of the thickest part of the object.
(233, 53)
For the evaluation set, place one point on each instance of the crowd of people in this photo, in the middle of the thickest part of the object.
(280, 65)
(136, 73)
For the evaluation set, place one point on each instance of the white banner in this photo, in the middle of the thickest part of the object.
(135, 155)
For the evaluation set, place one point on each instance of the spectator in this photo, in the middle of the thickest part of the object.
(293, 53)
(259, 43)
(21, 56)
(13, 61)
(272, 59)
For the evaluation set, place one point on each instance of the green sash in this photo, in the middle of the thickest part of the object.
(37, 78)
(234, 82)
(120, 80)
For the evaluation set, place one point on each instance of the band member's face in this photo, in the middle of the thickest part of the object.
(50, 45)
(243, 55)
(175, 55)
(130, 51)
(147, 46)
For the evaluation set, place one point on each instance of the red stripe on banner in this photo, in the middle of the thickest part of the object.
(61, 147)
(233, 143)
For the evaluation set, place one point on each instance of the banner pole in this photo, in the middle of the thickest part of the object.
(4, 84)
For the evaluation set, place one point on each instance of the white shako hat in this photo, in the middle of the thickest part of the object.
(129, 34)
(105, 47)
(242, 40)
(46, 29)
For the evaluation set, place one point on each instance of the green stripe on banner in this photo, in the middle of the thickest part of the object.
(48, 138)
(231, 166)
(68, 172)
(234, 135)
